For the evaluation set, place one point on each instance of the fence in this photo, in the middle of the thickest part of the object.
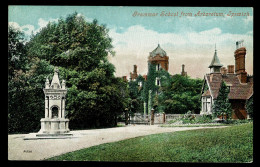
(158, 118)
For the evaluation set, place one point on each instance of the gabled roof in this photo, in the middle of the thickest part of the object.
(157, 51)
(215, 61)
(237, 90)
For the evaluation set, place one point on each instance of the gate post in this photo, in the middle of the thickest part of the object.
(152, 116)
(164, 119)
(126, 116)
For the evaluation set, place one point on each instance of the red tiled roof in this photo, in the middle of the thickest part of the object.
(237, 90)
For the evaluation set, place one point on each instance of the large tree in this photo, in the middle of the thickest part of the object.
(180, 94)
(80, 50)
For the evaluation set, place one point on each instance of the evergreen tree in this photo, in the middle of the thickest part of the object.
(221, 105)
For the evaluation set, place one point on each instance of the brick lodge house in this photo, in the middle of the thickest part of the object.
(240, 84)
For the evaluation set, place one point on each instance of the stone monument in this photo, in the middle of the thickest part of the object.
(54, 122)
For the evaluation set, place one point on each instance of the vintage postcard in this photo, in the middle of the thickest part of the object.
(116, 83)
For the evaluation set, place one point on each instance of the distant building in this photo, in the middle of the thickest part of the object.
(134, 75)
(239, 83)
(183, 73)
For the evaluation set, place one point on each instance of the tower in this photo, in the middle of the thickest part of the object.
(54, 121)
(215, 63)
(159, 57)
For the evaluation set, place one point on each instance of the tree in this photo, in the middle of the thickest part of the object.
(80, 50)
(221, 105)
(135, 90)
(16, 52)
(180, 94)
(26, 78)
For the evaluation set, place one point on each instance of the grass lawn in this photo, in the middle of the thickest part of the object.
(230, 144)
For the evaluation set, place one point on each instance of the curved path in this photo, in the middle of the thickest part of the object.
(19, 149)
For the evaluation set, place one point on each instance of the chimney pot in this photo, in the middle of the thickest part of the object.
(230, 69)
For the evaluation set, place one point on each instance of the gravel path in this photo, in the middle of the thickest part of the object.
(19, 149)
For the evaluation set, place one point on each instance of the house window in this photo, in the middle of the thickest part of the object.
(158, 67)
(206, 104)
(140, 84)
(157, 81)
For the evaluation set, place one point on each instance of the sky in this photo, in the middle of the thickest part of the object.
(187, 34)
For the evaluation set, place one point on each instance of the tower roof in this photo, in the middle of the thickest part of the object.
(159, 51)
(215, 61)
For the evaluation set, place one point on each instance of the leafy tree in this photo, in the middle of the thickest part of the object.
(16, 52)
(180, 94)
(135, 90)
(80, 49)
(25, 82)
(222, 105)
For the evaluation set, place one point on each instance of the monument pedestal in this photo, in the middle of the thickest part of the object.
(55, 126)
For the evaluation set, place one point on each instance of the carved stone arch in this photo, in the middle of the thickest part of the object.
(55, 111)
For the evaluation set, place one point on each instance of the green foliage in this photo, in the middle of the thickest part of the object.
(156, 91)
(26, 98)
(80, 50)
(16, 52)
(180, 94)
(221, 104)
(226, 145)
(135, 91)
(150, 83)
(250, 107)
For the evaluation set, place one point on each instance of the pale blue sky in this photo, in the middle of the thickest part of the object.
(187, 40)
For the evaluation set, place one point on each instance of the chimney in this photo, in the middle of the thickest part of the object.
(240, 55)
(211, 77)
(124, 78)
(183, 68)
(230, 69)
(131, 76)
(243, 77)
(240, 70)
(135, 69)
(145, 77)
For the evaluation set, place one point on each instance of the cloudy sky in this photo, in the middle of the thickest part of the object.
(184, 33)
